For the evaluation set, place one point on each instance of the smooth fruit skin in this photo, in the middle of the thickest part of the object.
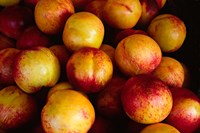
(102, 125)
(168, 31)
(59, 86)
(170, 71)
(161, 3)
(32, 37)
(83, 29)
(146, 99)
(16, 107)
(108, 101)
(160, 128)
(15, 19)
(35, 68)
(89, 69)
(149, 10)
(6, 65)
(67, 111)
(95, 7)
(51, 15)
(185, 113)
(137, 54)
(63, 55)
(115, 10)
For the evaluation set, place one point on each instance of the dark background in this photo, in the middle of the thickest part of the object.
(189, 12)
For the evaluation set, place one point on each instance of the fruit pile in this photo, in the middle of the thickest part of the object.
(96, 66)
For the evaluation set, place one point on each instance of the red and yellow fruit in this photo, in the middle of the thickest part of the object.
(89, 69)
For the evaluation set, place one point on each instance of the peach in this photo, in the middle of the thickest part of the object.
(32, 37)
(161, 3)
(67, 111)
(185, 113)
(137, 54)
(110, 51)
(150, 9)
(170, 71)
(159, 128)
(59, 86)
(51, 15)
(63, 55)
(96, 7)
(108, 101)
(15, 19)
(127, 32)
(16, 107)
(102, 125)
(35, 68)
(6, 65)
(169, 31)
(146, 99)
(115, 10)
(89, 69)
(83, 29)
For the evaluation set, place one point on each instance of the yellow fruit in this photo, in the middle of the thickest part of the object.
(51, 15)
(59, 86)
(170, 71)
(168, 31)
(137, 54)
(8, 2)
(89, 69)
(160, 128)
(67, 111)
(83, 29)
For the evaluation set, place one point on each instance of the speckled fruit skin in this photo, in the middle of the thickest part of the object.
(137, 54)
(185, 113)
(89, 69)
(168, 31)
(170, 71)
(35, 68)
(83, 29)
(160, 128)
(51, 15)
(146, 99)
(115, 10)
(6, 65)
(16, 107)
(67, 111)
